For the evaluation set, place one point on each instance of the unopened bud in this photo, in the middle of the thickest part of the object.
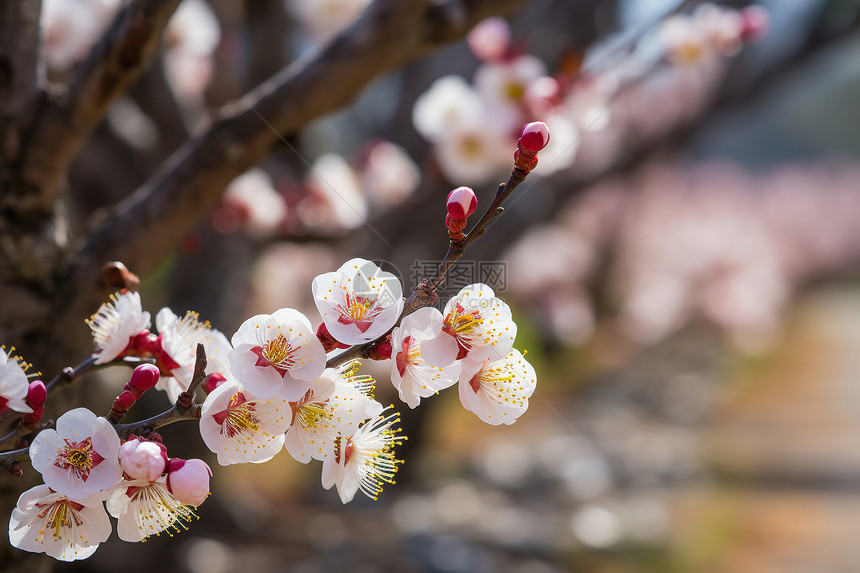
(144, 377)
(188, 480)
(213, 381)
(461, 203)
(143, 460)
(328, 341)
(382, 350)
(36, 394)
(534, 137)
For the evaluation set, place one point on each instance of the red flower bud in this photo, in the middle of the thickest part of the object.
(328, 341)
(381, 351)
(213, 381)
(534, 137)
(461, 203)
(144, 377)
(36, 394)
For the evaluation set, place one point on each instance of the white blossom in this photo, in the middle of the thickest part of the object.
(449, 102)
(179, 338)
(277, 354)
(80, 457)
(498, 392)
(143, 509)
(335, 405)
(115, 323)
(476, 325)
(50, 522)
(359, 302)
(365, 460)
(239, 427)
(410, 374)
(13, 383)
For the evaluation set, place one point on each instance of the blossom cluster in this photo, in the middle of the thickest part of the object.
(70, 29)
(84, 464)
(337, 194)
(269, 388)
(473, 124)
(709, 242)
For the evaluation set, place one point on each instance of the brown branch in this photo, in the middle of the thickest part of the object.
(69, 375)
(65, 122)
(184, 409)
(19, 57)
(146, 226)
(13, 438)
(145, 427)
(11, 460)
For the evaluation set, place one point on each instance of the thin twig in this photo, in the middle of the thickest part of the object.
(13, 438)
(184, 409)
(10, 460)
(69, 375)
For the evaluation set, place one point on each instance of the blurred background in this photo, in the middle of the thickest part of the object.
(682, 267)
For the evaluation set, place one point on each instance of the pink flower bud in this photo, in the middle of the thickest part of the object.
(756, 21)
(382, 351)
(188, 480)
(327, 340)
(36, 394)
(144, 377)
(489, 40)
(534, 137)
(213, 381)
(461, 203)
(143, 460)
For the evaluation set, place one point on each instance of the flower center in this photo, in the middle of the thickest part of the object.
(347, 449)
(277, 353)
(515, 91)
(358, 307)
(359, 310)
(308, 412)
(462, 326)
(239, 417)
(60, 515)
(407, 354)
(79, 457)
(471, 147)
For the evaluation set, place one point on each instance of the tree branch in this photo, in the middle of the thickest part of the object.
(65, 122)
(19, 56)
(146, 226)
